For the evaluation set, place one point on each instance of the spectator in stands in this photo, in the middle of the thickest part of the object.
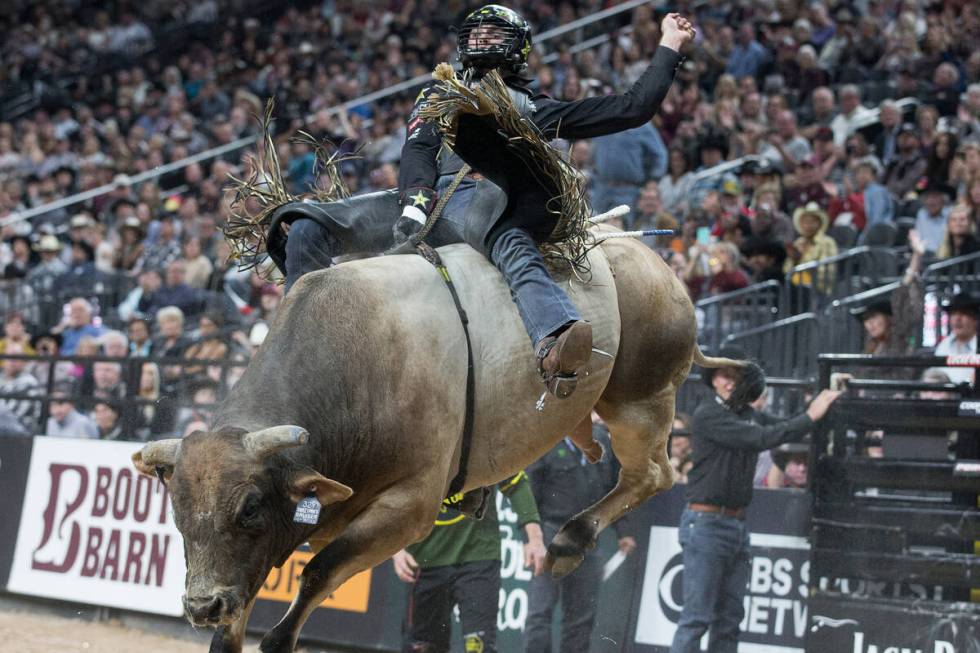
(808, 185)
(727, 436)
(765, 259)
(972, 197)
(175, 292)
(65, 421)
(873, 199)
(15, 332)
(768, 221)
(138, 331)
(748, 55)
(115, 344)
(165, 248)
(170, 343)
(131, 252)
(784, 144)
(17, 380)
(789, 466)
(22, 257)
(963, 310)
(821, 113)
(105, 414)
(197, 267)
(675, 185)
(210, 345)
(851, 114)
(908, 166)
(79, 278)
(886, 142)
(892, 325)
(813, 244)
(108, 380)
(140, 300)
(941, 157)
(44, 275)
(624, 161)
(680, 447)
(930, 220)
(76, 325)
(960, 238)
(156, 417)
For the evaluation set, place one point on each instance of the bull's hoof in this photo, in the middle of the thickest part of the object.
(221, 642)
(275, 643)
(567, 551)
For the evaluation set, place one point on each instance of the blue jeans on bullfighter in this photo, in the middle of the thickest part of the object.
(717, 561)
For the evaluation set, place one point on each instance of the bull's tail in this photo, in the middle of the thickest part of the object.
(752, 379)
(714, 362)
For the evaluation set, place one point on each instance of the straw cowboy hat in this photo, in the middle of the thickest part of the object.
(48, 243)
(812, 208)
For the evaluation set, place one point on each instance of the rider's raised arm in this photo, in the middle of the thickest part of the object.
(614, 113)
(597, 116)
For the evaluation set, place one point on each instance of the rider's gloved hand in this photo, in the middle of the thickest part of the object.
(417, 204)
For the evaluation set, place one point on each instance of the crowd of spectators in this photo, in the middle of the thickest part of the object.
(788, 124)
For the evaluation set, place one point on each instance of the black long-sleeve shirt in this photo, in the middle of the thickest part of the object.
(725, 447)
(586, 118)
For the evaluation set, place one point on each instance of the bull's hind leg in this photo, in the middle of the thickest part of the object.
(639, 432)
(395, 519)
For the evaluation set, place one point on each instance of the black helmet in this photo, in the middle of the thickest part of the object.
(511, 53)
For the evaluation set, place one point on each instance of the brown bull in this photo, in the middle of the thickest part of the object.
(357, 397)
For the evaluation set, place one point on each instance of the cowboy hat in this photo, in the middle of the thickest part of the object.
(881, 306)
(964, 302)
(811, 208)
(48, 243)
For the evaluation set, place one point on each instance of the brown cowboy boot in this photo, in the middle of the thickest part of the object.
(559, 359)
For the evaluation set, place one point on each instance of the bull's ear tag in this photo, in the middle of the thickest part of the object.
(307, 510)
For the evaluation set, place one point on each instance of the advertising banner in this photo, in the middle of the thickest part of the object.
(93, 530)
(840, 623)
(15, 455)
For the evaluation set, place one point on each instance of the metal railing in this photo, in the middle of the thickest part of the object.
(786, 348)
(179, 377)
(812, 286)
(401, 87)
(739, 310)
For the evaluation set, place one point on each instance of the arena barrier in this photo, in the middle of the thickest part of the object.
(895, 504)
(87, 529)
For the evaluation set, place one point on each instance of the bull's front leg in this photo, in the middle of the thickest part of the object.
(392, 521)
(229, 639)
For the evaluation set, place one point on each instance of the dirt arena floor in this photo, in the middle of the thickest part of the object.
(23, 632)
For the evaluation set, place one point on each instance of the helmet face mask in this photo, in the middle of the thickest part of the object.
(494, 37)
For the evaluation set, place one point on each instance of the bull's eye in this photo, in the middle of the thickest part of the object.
(250, 515)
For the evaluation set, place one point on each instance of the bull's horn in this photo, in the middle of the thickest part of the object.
(162, 453)
(268, 441)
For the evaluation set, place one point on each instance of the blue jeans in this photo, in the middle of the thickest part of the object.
(717, 561)
(542, 305)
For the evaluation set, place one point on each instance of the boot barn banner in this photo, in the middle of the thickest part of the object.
(92, 529)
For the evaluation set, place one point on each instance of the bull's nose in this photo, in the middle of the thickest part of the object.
(205, 609)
